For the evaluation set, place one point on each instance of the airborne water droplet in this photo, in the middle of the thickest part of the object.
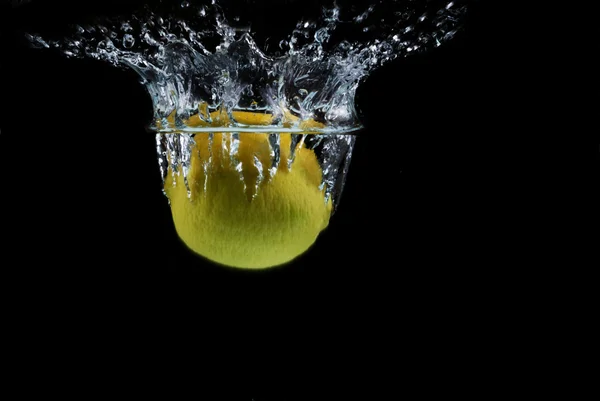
(321, 35)
(185, 4)
(128, 41)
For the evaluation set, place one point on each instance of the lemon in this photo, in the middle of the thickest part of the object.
(237, 211)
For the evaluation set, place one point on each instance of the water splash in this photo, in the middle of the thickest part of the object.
(199, 63)
(201, 70)
(332, 152)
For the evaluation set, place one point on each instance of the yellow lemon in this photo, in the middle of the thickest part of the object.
(238, 212)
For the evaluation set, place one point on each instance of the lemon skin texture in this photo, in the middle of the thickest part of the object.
(249, 217)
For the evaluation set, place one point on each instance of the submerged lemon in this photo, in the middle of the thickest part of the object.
(240, 213)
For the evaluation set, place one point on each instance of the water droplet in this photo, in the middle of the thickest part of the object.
(366, 29)
(110, 46)
(302, 92)
(344, 46)
(449, 35)
(37, 41)
(321, 35)
(128, 41)
(202, 12)
(185, 4)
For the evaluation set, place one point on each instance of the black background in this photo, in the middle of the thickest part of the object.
(403, 266)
